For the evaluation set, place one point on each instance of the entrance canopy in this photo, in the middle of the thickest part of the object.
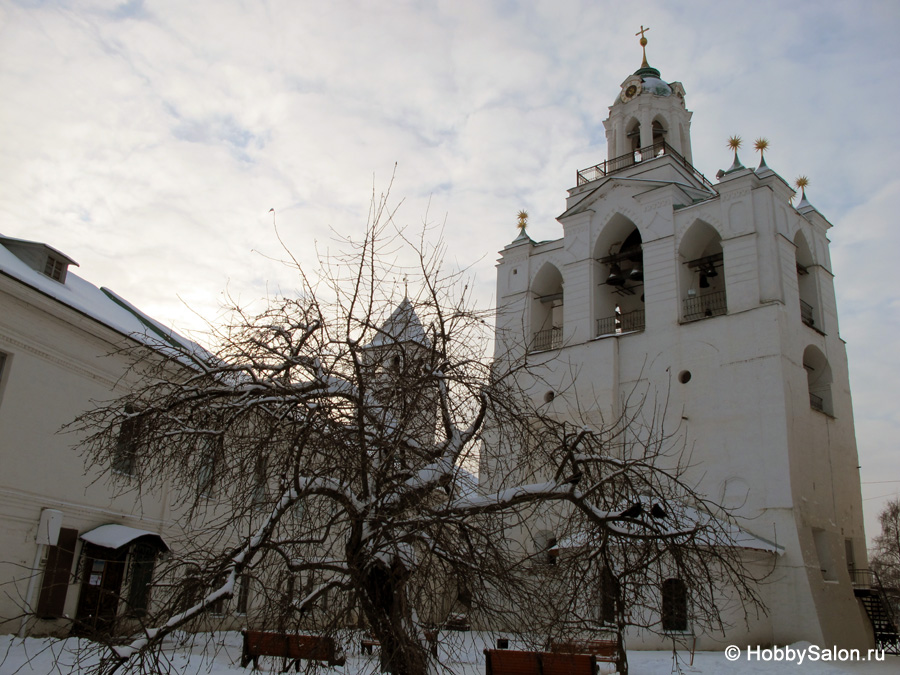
(117, 536)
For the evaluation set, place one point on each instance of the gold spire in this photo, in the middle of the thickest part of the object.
(643, 45)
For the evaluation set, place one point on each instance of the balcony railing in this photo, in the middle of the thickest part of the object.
(621, 323)
(862, 578)
(550, 338)
(617, 164)
(816, 402)
(806, 314)
(705, 306)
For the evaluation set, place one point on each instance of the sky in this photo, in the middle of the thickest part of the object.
(148, 140)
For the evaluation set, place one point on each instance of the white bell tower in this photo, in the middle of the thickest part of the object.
(716, 297)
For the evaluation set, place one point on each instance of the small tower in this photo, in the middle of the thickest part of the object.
(647, 113)
(397, 357)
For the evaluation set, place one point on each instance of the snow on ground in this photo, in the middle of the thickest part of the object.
(460, 653)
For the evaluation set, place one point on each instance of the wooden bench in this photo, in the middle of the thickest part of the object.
(604, 650)
(294, 647)
(511, 662)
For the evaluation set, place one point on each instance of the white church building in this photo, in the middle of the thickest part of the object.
(717, 296)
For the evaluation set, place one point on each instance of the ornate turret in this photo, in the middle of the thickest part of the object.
(648, 111)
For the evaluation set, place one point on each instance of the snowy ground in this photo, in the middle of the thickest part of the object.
(460, 653)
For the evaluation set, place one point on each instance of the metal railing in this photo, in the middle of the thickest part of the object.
(816, 402)
(623, 162)
(621, 323)
(705, 306)
(806, 314)
(550, 338)
(862, 578)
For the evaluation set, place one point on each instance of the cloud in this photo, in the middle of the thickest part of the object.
(150, 140)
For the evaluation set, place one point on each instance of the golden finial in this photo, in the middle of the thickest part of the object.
(643, 45)
(734, 142)
(801, 184)
(523, 220)
(761, 144)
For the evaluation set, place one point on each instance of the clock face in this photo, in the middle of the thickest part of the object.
(629, 93)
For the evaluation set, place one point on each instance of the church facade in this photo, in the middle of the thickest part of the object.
(715, 297)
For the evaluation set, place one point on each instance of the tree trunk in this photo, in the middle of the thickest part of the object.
(391, 621)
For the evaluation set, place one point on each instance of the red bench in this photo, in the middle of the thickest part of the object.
(511, 662)
(294, 647)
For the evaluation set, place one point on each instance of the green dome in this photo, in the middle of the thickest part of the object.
(656, 86)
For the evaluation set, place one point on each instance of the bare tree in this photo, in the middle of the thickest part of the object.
(886, 558)
(337, 431)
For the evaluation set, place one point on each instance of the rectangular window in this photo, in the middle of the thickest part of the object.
(674, 605)
(609, 597)
(243, 598)
(3, 362)
(260, 473)
(125, 458)
(54, 268)
(851, 559)
(210, 450)
(143, 558)
(57, 575)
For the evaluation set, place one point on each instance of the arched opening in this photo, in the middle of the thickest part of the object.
(619, 276)
(818, 380)
(633, 135)
(702, 273)
(659, 128)
(806, 283)
(547, 309)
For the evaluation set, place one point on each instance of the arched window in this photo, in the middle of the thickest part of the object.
(659, 138)
(674, 605)
(702, 273)
(619, 276)
(818, 380)
(810, 309)
(547, 309)
(633, 134)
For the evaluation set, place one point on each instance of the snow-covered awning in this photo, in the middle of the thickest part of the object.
(117, 536)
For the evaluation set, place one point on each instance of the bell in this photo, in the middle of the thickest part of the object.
(711, 272)
(704, 282)
(636, 273)
(615, 277)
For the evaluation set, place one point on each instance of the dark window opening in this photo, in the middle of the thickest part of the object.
(143, 558)
(125, 458)
(674, 605)
(57, 575)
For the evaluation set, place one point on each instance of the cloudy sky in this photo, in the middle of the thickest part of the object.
(149, 139)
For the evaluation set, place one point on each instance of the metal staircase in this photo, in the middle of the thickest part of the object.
(878, 609)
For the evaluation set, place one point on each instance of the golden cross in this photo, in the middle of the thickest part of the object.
(643, 44)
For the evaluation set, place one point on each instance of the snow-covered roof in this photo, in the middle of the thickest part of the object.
(403, 325)
(100, 304)
(116, 536)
